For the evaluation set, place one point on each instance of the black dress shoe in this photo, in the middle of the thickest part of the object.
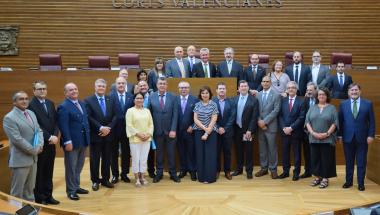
(236, 173)
(107, 184)
(347, 185)
(125, 179)
(295, 177)
(157, 178)
(73, 196)
(52, 201)
(114, 179)
(152, 175)
(182, 174)
(283, 175)
(361, 187)
(95, 186)
(175, 178)
(42, 202)
(249, 175)
(82, 191)
(193, 176)
(305, 175)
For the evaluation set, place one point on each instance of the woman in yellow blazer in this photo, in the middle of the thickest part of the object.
(139, 125)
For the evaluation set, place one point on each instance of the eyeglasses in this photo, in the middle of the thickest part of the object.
(40, 89)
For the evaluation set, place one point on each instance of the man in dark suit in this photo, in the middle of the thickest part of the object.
(291, 121)
(164, 108)
(299, 72)
(129, 88)
(122, 101)
(247, 109)
(357, 129)
(230, 67)
(185, 139)
(338, 84)
(191, 50)
(310, 100)
(102, 119)
(178, 67)
(205, 69)
(75, 137)
(320, 74)
(47, 119)
(225, 125)
(254, 74)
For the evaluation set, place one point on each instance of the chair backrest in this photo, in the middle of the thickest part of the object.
(50, 62)
(99, 62)
(129, 60)
(345, 57)
(289, 58)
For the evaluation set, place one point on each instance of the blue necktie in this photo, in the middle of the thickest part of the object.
(122, 101)
(145, 101)
(296, 75)
(341, 80)
(102, 105)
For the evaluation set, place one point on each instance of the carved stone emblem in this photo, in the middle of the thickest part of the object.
(8, 40)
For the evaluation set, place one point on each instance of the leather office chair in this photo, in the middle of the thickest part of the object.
(345, 57)
(289, 58)
(99, 62)
(129, 60)
(50, 62)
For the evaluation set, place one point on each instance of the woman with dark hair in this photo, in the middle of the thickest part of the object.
(140, 131)
(156, 72)
(322, 124)
(142, 75)
(205, 116)
(279, 78)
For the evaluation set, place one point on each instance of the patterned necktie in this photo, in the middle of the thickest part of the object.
(355, 109)
(78, 106)
(102, 105)
(205, 68)
(162, 104)
(296, 75)
(183, 104)
(182, 68)
(290, 104)
(45, 107)
(28, 118)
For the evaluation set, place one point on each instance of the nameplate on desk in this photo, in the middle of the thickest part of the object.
(71, 69)
(6, 69)
(372, 67)
(115, 68)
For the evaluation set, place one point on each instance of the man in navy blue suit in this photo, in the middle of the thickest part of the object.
(102, 118)
(75, 137)
(123, 101)
(225, 122)
(185, 140)
(299, 72)
(254, 74)
(230, 67)
(357, 128)
(164, 109)
(291, 121)
(338, 84)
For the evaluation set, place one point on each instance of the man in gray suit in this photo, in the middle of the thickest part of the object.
(26, 142)
(320, 73)
(269, 107)
(178, 67)
(164, 108)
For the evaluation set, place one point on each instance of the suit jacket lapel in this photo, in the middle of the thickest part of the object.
(20, 114)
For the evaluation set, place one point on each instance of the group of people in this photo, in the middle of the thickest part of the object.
(145, 124)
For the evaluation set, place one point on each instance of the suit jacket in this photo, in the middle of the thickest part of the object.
(338, 92)
(304, 77)
(254, 82)
(119, 128)
(172, 69)
(73, 124)
(236, 70)
(186, 119)
(226, 119)
(361, 127)
(21, 136)
(130, 88)
(323, 75)
(199, 73)
(295, 118)
(269, 110)
(250, 113)
(166, 119)
(152, 80)
(47, 120)
(96, 118)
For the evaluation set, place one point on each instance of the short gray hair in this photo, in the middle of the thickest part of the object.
(17, 94)
(293, 83)
(101, 81)
(204, 50)
(312, 84)
(229, 49)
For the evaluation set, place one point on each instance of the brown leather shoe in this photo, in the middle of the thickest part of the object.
(262, 172)
(274, 174)
(228, 175)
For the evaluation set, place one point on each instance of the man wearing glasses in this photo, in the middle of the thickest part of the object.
(320, 73)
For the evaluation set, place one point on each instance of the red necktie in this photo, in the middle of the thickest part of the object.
(290, 104)
(28, 118)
